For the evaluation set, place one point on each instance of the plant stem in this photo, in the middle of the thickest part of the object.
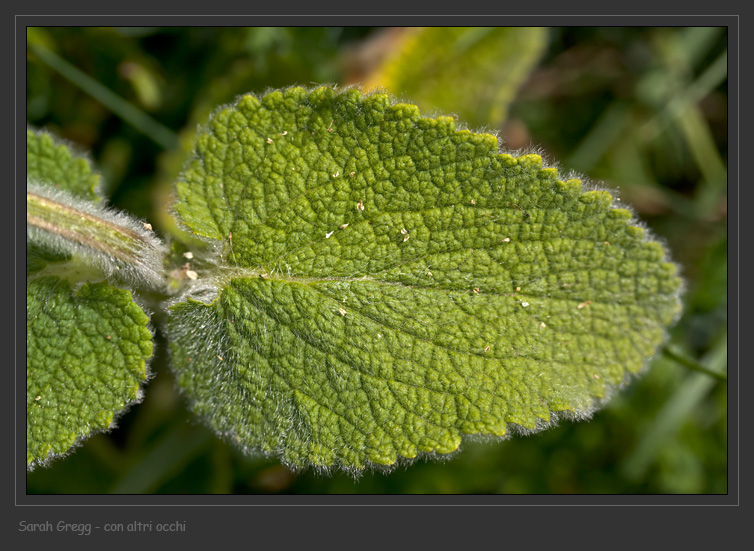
(109, 240)
(80, 227)
(159, 133)
(690, 364)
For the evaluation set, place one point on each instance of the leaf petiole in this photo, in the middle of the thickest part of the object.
(116, 243)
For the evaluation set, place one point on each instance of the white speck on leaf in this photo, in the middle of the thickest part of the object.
(328, 234)
(524, 304)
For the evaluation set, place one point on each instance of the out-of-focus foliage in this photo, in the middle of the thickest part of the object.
(473, 72)
(641, 109)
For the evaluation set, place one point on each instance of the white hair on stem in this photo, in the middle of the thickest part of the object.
(118, 245)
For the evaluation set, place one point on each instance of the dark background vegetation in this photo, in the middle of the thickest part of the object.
(642, 110)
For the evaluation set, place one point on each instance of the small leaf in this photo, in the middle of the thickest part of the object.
(327, 337)
(86, 354)
(474, 72)
(51, 161)
(87, 346)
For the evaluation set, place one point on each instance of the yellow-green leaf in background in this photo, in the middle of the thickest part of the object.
(473, 72)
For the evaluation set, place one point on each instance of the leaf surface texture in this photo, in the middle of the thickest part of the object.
(387, 284)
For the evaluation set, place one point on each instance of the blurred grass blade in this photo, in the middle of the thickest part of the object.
(715, 75)
(676, 411)
(159, 133)
(700, 141)
(608, 128)
(696, 42)
(172, 452)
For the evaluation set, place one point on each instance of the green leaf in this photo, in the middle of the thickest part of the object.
(87, 346)
(386, 284)
(474, 72)
(86, 354)
(49, 160)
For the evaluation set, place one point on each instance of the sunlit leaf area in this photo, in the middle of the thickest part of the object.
(638, 111)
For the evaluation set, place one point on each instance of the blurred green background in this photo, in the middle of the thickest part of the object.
(641, 110)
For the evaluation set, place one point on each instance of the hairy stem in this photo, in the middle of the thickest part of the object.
(81, 227)
(110, 240)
